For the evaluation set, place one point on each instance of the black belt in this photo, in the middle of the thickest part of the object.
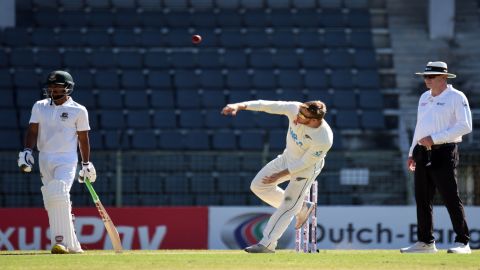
(439, 146)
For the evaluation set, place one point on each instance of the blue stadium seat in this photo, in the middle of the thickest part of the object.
(257, 38)
(209, 37)
(138, 119)
(144, 139)
(252, 140)
(153, 19)
(239, 95)
(213, 99)
(152, 37)
(214, 120)
(347, 119)
(228, 163)
(135, 99)
(283, 38)
(209, 59)
(8, 119)
(261, 59)
(203, 183)
(263, 79)
(291, 95)
(266, 94)
(27, 78)
(252, 163)
(159, 79)
(112, 119)
(22, 58)
(178, 38)
(151, 183)
(238, 79)
(44, 37)
(6, 80)
(232, 38)
(7, 100)
(208, 199)
(235, 59)
(202, 163)
(211, 78)
(313, 59)
(127, 18)
(162, 99)
(73, 18)
(133, 79)
(155, 59)
(178, 19)
(16, 37)
(368, 78)
(101, 18)
(281, 18)
(309, 39)
(320, 94)
(344, 99)
(286, 58)
(305, 4)
(266, 120)
(184, 78)
(243, 121)
(339, 58)
(231, 182)
(341, 79)
(96, 139)
(335, 38)
(290, 78)
(115, 139)
(359, 18)
(71, 38)
(191, 119)
(364, 58)
(332, 18)
(171, 140)
(85, 97)
(177, 183)
(315, 78)
(164, 119)
(203, 19)
(106, 79)
(110, 99)
(76, 59)
(98, 38)
(25, 98)
(102, 59)
(47, 18)
(129, 59)
(370, 99)
(276, 139)
(373, 119)
(188, 99)
(196, 140)
(255, 19)
(176, 5)
(183, 59)
(224, 140)
(182, 200)
(228, 18)
(83, 78)
(49, 59)
(361, 39)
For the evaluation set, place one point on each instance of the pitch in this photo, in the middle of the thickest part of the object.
(231, 260)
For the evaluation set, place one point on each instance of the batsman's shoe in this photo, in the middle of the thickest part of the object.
(258, 248)
(460, 248)
(59, 249)
(420, 247)
(302, 216)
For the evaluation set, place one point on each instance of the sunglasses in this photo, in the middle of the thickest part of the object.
(429, 76)
(313, 109)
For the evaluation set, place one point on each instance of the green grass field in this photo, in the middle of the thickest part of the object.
(215, 259)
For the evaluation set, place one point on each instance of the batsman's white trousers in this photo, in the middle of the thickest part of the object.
(288, 202)
(58, 173)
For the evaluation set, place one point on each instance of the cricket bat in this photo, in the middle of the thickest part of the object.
(107, 221)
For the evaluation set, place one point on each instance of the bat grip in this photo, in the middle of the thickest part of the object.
(91, 190)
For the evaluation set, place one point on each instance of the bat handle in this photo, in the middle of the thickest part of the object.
(91, 190)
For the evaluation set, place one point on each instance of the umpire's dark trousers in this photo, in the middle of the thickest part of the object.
(440, 174)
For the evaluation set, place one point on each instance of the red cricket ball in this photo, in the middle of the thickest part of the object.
(196, 39)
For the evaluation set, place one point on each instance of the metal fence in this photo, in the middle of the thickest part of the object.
(159, 178)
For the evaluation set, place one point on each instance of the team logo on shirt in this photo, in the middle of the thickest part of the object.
(307, 136)
(440, 103)
(64, 116)
(318, 153)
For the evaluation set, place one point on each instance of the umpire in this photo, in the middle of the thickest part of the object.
(443, 117)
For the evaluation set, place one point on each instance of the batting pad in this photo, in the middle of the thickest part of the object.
(57, 203)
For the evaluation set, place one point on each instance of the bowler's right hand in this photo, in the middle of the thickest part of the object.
(232, 109)
(411, 164)
(25, 160)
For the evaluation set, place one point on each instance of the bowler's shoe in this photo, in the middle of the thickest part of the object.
(460, 248)
(258, 248)
(420, 247)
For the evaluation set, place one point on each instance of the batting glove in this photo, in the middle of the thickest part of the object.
(25, 160)
(87, 171)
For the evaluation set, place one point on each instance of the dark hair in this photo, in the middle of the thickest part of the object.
(316, 108)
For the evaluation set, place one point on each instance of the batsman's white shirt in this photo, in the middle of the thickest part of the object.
(305, 146)
(446, 117)
(58, 125)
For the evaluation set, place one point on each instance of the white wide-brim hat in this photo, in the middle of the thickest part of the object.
(436, 68)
